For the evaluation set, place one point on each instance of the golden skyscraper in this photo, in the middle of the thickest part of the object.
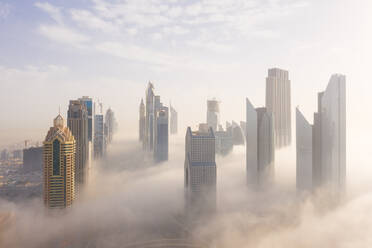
(59, 166)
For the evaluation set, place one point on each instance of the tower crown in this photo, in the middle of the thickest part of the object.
(58, 121)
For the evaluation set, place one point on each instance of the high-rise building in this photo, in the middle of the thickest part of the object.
(59, 166)
(89, 105)
(161, 135)
(142, 121)
(109, 125)
(260, 146)
(200, 170)
(326, 160)
(278, 102)
(304, 153)
(149, 134)
(173, 120)
(77, 121)
(33, 159)
(237, 134)
(99, 137)
(213, 114)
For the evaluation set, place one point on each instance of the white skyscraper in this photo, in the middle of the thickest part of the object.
(260, 148)
(213, 114)
(278, 102)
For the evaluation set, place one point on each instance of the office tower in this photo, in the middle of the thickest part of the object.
(33, 159)
(149, 135)
(142, 121)
(200, 170)
(109, 125)
(327, 157)
(278, 102)
(213, 114)
(98, 136)
(260, 146)
(161, 135)
(243, 126)
(173, 120)
(89, 105)
(77, 121)
(224, 142)
(304, 153)
(59, 166)
(237, 134)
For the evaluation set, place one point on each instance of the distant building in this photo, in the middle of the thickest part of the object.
(77, 121)
(142, 121)
(325, 163)
(224, 142)
(200, 170)
(99, 136)
(161, 135)
(278, 102)
(91, 112)
(237, 134)
(149, 131)
(213, 114)
(33, 159)
(260, 146)
(59, 163)
(4, 156)
(109, 125)
(173, 120)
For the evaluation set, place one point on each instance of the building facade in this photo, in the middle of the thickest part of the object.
(149, 131)
(99, 136)
(278, 102)
(142, 121)
(161, 145)
(77, 122)
(59, 166)
(213, 114)
(260, 146)
(325, 163)
(33, 159)
(173, 120)
(200, 170)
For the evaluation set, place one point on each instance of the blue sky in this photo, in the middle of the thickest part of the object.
(54, 51)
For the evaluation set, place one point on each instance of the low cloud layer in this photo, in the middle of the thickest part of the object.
(131, 200)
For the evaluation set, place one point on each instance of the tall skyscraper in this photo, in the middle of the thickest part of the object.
(59, 166)
(200, 170)
(109, 125)
(278, 102)
(149, 134)
(89, 105)
(173, 120)
(99, 136)
(142, 121)
(161, 135)
(304, 153)
(325, 163)
(77, 121)
(213, 114)
(260, 146)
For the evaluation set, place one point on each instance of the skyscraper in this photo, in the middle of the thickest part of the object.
(149, 131)
(59, 163)
(278, 102)
(161, 135)
(89, 105)
(324, 162)
(77, 121)
(173, 120)
(260, 149)
(98, 136)
(200, 170)
(333, 124)
(142, 121)
(109, 125)
(304, 153)
(213, 114)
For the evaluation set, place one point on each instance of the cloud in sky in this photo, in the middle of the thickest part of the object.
(4, 10)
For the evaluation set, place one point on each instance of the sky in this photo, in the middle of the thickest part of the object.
(52, 52)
